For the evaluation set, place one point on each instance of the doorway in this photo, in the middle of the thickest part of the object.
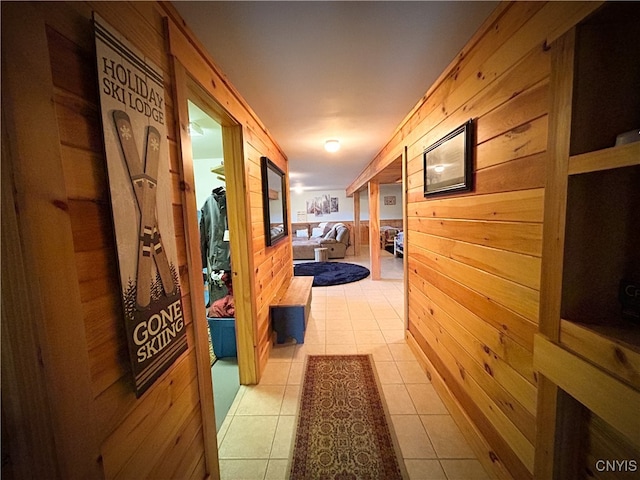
(188, 90)
(212, 216)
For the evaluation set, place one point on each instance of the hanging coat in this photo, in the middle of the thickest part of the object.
(213, 223)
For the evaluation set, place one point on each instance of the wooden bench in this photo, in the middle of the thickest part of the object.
(290, 309)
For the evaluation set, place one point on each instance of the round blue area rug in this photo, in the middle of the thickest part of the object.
(331, 273)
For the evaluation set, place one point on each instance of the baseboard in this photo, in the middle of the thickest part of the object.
(476, 440)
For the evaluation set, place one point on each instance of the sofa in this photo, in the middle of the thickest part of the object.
(334, 237)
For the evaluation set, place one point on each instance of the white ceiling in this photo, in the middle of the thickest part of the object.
(316, 70)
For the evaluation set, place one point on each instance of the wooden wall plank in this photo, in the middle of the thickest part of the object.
(520, 206)
(522, 174)
(92, 226)
(521, 141)
(524, 26)
(518, 268)
(530, 104)
(77, 120)
(524, 238)
(84, 174)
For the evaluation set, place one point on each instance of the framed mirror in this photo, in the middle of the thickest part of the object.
(274, 201)
(448, 163)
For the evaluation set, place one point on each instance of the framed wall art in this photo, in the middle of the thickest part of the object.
(137, 156)
(448, 163)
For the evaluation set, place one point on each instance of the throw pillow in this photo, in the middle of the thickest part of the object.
(331, 234)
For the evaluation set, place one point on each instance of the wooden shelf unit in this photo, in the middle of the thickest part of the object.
(614, 348)
(605, 159)
(602, 243)
(587, 355)
(604, 395)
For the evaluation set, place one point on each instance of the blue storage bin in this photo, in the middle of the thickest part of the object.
(223, 336)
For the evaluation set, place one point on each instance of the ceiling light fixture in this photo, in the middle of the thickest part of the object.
(439, 168)
(332, 145)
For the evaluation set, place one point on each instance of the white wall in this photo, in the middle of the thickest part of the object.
(299, 204)
(387, 212)
(345, 205)
(205, 180)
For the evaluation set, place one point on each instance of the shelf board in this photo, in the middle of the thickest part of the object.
(614, 348)
(609, 398)
(608, 158)
(219, 170)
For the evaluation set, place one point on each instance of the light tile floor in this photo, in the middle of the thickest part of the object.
(256, 438)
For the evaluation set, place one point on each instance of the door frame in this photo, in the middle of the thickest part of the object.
(187, 88)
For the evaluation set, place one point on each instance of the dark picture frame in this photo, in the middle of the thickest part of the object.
(274, 202)
(448, 163)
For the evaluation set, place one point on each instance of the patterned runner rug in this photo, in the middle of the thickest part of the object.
(343, 425)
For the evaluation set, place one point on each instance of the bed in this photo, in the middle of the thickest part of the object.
(398, 245)
(335, 238)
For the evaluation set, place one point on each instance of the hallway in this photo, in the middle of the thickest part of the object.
(256, 438)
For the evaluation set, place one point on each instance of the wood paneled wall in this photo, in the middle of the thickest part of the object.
(163, 434)
(474, 259)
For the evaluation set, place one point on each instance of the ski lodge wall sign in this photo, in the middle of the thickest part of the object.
(133, 123)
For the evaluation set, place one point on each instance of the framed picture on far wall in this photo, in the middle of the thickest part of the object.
(448, 163)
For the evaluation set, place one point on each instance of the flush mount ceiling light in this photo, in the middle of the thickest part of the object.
(439, 168)
(332, 145)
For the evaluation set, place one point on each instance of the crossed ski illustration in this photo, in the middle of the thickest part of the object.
(143, 178)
